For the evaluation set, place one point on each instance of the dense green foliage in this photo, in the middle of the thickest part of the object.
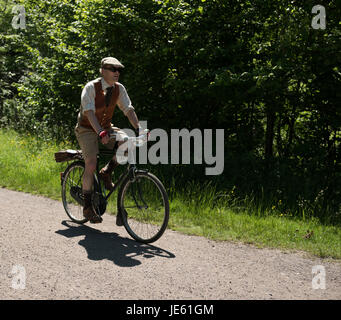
(255, 68)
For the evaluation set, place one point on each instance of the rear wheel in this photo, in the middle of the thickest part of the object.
(143, 204)
(72, 195)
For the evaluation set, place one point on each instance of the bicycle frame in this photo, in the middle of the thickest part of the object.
(131, 169)
(129, 172)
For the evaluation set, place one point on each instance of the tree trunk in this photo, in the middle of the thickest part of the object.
(269, 135)
(291, 129)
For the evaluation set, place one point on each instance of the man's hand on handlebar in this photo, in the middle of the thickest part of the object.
(140, 131)
(104, 136)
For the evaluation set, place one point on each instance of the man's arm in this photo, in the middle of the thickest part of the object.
(88, 107)
(132, 117)
(93, 120)
(125, 105)
(95, 124)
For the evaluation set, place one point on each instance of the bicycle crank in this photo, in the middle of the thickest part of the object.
(99, 203)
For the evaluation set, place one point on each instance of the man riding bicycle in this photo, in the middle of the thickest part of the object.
(98, 100)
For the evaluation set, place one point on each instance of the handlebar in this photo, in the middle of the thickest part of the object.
(135, 141)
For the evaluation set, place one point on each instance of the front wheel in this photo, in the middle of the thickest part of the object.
(143, 203)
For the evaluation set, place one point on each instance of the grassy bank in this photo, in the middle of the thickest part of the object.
(27, 164)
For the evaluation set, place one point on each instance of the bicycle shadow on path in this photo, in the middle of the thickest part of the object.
(109, 245)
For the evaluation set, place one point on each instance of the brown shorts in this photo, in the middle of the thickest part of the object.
(88, 140)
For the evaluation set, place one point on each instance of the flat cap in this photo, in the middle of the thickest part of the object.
(112, 61)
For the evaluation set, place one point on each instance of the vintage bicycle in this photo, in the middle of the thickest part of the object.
(142, 199)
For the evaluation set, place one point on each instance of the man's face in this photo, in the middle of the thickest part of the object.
(110, 72)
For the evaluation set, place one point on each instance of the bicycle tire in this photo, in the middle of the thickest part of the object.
(72, 195)
(135, 219)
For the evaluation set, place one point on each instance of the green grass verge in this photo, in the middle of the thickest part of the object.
(27, 164)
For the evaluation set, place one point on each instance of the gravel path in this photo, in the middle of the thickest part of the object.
(45, 256)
